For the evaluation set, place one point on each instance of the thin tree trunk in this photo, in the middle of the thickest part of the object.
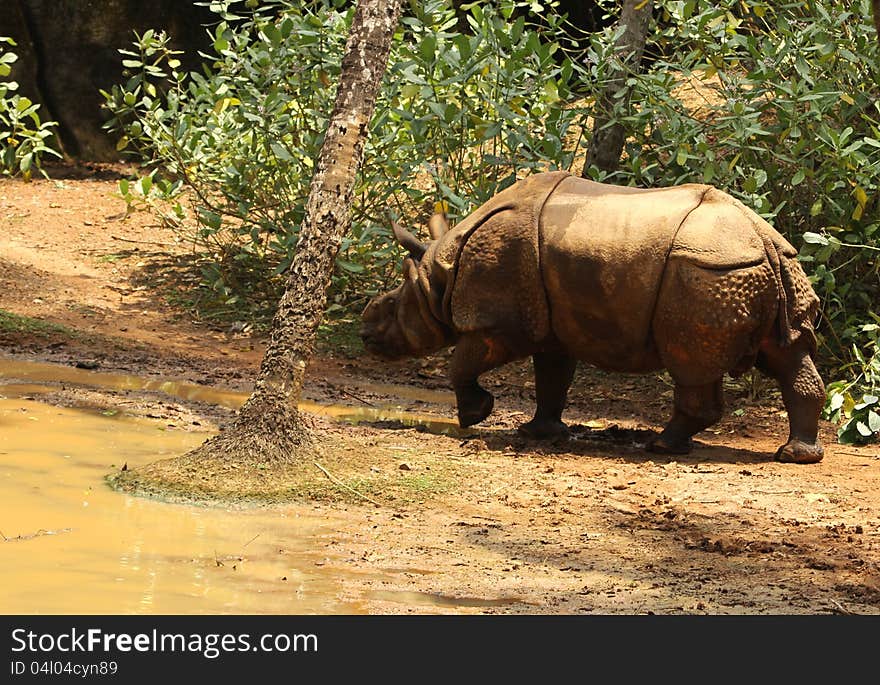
(268, 426)
(606, 143)
(875, 7)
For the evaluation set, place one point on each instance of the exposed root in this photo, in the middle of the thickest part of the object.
(260, 440)
(264, 440)
(267, 429)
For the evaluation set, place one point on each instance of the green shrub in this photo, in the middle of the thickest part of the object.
(458, 117)
(23, 137)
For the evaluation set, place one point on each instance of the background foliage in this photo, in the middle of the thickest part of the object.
(23, 137)
(774, 102)
(458, 116)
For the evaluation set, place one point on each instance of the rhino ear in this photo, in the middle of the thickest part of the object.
(408, 241)
(438, 225)
(410, 271)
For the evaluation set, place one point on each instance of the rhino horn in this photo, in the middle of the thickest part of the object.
(438, 225)
(408, 241)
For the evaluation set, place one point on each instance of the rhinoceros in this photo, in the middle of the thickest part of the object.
(564, 269)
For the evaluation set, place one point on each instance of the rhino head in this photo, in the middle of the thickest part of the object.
(401, 323)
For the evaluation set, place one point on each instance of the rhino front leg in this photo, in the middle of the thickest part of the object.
(696, 408)
(474, 355)
(553, 376)
(803, 394)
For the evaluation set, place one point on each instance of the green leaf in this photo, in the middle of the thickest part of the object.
(867, 401)
(281, 152)
(350, 266)
(815, 238)
(551, 91)
(708, 172)
(428, 48)
(874, 421)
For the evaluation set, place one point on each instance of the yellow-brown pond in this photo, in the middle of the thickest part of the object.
(41, 372)
(72, 545)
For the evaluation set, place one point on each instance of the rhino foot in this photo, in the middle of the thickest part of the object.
(544, 429)
(799, 452)
(662, 445)
(475, 409)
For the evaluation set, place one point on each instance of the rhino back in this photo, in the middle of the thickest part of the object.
(722, 233)
(603, 252)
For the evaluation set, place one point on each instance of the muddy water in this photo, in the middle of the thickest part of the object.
(72, 545)
(54, 373)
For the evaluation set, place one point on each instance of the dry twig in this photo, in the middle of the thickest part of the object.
(840, 609)
(338, 482)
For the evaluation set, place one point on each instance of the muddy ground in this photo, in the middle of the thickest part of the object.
(479, 522)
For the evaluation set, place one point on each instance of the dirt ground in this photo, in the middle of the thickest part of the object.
(475, 522)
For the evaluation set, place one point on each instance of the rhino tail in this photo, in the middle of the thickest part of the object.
(798, 305)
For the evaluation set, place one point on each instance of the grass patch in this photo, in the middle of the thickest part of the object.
(355, 468)
(425, 484)
(112, 257)
(15, 324)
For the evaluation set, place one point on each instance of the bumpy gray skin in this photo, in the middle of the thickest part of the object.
(564, 270)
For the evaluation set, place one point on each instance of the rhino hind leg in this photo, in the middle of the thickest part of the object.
(553, 375)
(709, 322)
(696, 408)
(803, 394)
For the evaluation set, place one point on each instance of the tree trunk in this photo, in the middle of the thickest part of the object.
(269, 427)
(606, 143)
(875, 6)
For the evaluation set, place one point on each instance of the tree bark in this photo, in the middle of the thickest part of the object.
(875, 7)
(606, 143)
(269, 427)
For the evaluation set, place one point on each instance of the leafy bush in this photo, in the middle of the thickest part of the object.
(861, 418)
(22, 135)
(243, 134)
